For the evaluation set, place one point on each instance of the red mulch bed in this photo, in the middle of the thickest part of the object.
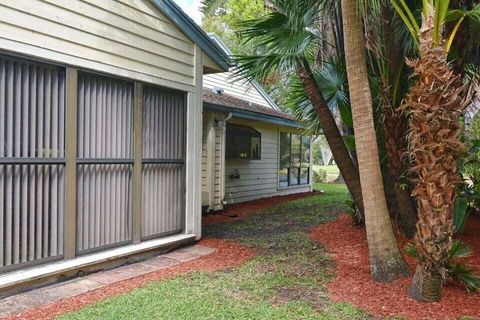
(227, 255)
(353, 283)
(239, 211)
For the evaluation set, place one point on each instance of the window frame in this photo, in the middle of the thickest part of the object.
(291, 166)
(250, 128)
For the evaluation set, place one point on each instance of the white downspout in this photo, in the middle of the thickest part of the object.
(221, 125)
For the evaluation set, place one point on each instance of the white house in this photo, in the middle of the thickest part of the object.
(251, 149)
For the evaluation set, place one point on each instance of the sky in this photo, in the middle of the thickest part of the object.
(192, 8)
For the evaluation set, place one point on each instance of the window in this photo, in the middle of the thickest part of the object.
(294, 160)
(243, 142)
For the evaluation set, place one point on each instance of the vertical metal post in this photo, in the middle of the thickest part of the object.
(137, 166)
(310, 165)
(71, 164)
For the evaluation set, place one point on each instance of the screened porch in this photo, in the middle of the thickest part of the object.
(88, 162)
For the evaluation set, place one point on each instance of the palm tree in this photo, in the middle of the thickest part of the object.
(433, 105)
(288, 41)
(386, 260)
(332, 79)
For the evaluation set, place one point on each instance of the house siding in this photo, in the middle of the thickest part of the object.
(126, 38)
(238, 89)
(258, 178)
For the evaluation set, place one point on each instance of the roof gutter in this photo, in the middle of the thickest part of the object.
(250, 115)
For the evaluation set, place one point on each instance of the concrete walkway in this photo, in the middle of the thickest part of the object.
(46, 295)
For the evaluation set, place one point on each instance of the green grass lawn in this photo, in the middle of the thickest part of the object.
(332, 171)
(286, 280)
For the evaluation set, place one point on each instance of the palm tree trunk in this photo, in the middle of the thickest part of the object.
(394, 129)
(407, 214)
(386, 260)
(394, 133)
(433, 105)
(330, 129)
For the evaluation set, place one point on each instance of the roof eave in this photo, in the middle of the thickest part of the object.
(236, 112)
(193, 32)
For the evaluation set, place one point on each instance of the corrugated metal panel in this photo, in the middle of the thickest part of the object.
(163, 124)
(104, 205)
(163, 183)
(105, 152)
(32, 131)
(163, 194)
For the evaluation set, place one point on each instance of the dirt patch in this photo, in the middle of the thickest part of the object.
(227, 255)
(348, 247)
(312, 296)
(235, 212)
(260, 231)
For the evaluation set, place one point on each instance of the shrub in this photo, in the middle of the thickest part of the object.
(456, 270)
(319, 176)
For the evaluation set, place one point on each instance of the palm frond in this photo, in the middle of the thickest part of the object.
(259, 67)
(332, 81)
(407, 16)
(460, 213)
(465, 275)
(281, 38)
(459, 15)
(441, 9)
(410, 250)
(459, 250)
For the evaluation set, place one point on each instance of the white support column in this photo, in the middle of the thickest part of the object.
(193, 215)
(210, 165)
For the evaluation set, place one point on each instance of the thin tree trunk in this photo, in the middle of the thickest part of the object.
(330, 129)
(386, 260)
(394, 129)
(408, 216)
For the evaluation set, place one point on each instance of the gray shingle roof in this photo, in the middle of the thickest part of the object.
(227, 100)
